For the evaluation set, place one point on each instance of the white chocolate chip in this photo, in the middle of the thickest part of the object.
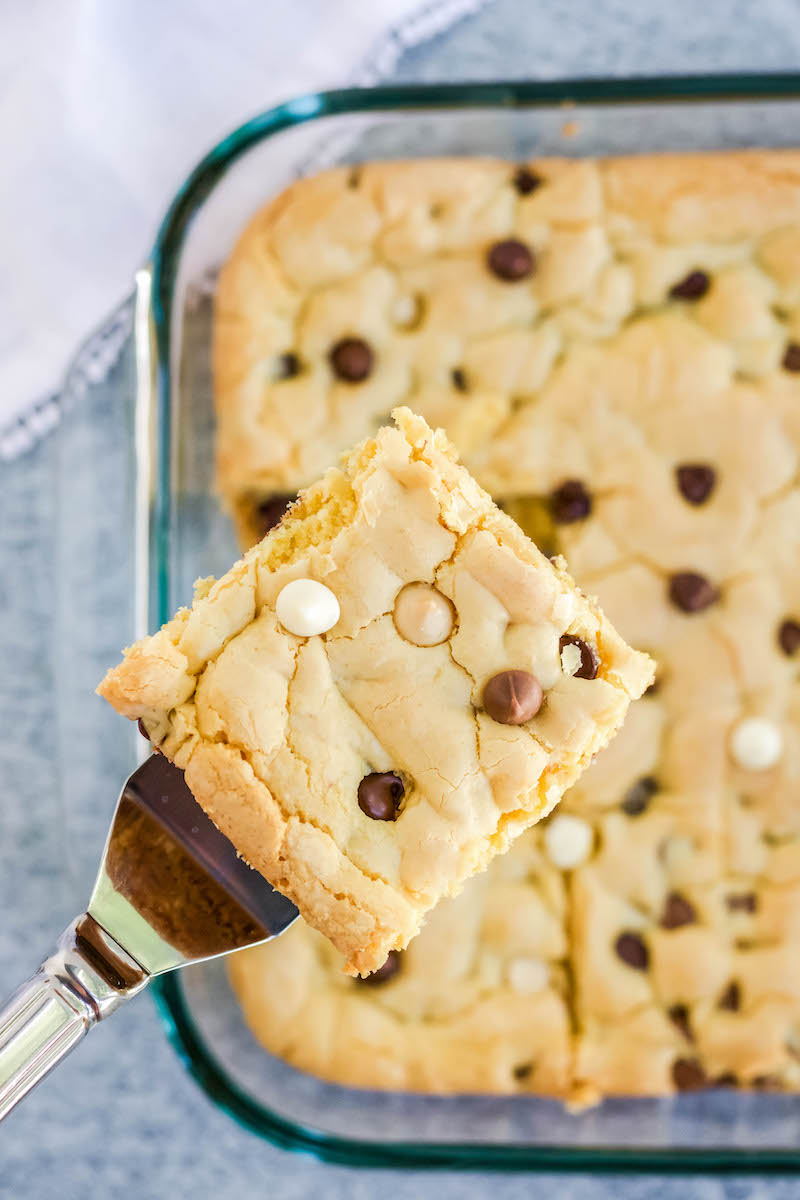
(568, 841)
(422, 615)
(305, 607)
(405, 310)
(756, 743)
(528, 974)
(570, 659)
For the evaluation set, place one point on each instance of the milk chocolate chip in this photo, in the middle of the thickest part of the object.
(677, 911)
(512, 697)
(570, 502)
(526, 181)
(679, 1015)
(789, 637)
(590, 659)
(379, 795)
(287, 366)
(692, 287)
(269, 513)
(386, 971)
(791, 357)
(352, 360)
(695, 481)
(639, 795)
(632, 950)
(731, 998)
(743, 902)
(510, 260)
(688, 1075)
(459, 379)
(691, 592)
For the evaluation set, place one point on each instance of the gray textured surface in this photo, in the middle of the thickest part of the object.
(123, 1114)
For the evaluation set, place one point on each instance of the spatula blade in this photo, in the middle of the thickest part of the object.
(171, 888)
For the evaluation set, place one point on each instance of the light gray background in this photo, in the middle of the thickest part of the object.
(122, 1114)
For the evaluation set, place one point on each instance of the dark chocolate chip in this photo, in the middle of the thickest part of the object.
(352, 360)
(590, 659)
(677, 911)
(726, 1079)
(679, 1015)
(691, 592)
(632, 950)
(791, 357)
(693, 287)
(459, 379)
(695, 481)
(142, 730)
(570, 502)
(743, 902)
(731, 998)
(288, 366)
(269, 513)
(386, 971)
(688, 1075)
(379, 795)
(510, 260)
(639, 795)
(512, 697)
(526, 181)
(768, 1083)
(522, 1071)
(789, 636)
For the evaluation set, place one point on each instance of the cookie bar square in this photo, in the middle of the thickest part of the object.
(455, 683)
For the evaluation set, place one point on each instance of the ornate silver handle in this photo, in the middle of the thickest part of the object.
(88, 977)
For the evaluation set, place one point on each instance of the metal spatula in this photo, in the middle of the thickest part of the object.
(171, 890)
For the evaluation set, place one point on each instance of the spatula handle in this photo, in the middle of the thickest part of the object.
(87, 978)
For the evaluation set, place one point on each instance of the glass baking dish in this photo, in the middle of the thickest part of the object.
(182, 534)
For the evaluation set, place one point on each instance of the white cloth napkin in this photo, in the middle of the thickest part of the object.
(104, 108)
